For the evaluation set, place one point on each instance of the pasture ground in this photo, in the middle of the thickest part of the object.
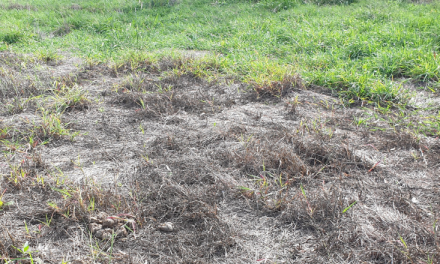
(252, 156)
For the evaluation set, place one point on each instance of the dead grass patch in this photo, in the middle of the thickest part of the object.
(17, 6)
(157, 105)
(62, 30)
(75, 7)
(233, 178)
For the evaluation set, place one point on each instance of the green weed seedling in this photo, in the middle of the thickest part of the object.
(142, 103)
(26, 227)
(91, 206)
(405, 250)
(141, 128)
(309, 207)
(17, 174)
(63, 192)
(60, 178)
(4, 204)
(348, 207)
(25, 251)
(49, 221)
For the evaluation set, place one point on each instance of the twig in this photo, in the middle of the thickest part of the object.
(423, 156)
(374, 166)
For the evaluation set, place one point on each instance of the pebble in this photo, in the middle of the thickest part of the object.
(121, 231)
(104, 233)
(95, 220)
(108, 222)
(102, 216)
(167, 227)
(104, 226)
(93, 227)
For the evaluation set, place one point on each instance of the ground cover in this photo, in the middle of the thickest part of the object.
(219, 132)
(356, 49)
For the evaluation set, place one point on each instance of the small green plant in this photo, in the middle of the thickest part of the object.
(4, 204)
(247, 192)
(142, 103)
(63, 192)
(26, 227)
(303, 191)
(25, 251)
(51, 127)
(280, 181)
(4, 132)
(67, 99)
(163, 89)
(91, 206)
(48, 221)
(406, 251)
(60, 178)
(147, 159)
(17, 175)
(48, 55)
(309, 207)
(112, 242)
(348, 207)
(1, 199)
(291, 106)
(360, 121)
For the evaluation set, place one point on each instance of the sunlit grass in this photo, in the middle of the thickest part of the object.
(356, 48)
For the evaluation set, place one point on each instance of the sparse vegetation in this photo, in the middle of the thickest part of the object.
(219, 132)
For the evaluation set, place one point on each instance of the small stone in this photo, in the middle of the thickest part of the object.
(104, 233)
(270, 203)
(95, 220)
(93, 227)
(99, 233)
(108, 222)
(167, 227)
(102, 216)
(107, 234)
(121, 232)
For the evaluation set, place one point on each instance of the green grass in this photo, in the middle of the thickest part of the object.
(357, 48)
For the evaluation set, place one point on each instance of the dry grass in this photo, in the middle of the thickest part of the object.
(240, 176)
(16, 6)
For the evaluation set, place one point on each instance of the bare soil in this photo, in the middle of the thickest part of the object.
(241, 177)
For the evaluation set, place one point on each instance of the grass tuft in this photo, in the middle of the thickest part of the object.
(11, 37)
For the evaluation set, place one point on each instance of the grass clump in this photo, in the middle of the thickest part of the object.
(11, 37)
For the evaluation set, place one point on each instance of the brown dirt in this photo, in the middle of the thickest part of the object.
(242, 178)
